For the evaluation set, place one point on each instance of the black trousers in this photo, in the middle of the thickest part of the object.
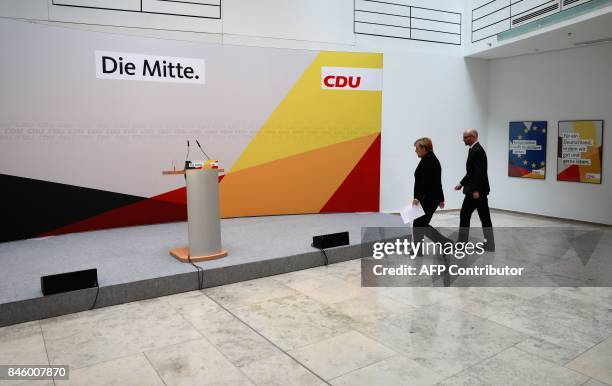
(421, 227)
(481, 205)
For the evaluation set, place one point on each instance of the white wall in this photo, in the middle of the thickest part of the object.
(552, 86)
(428, 95)
(314, 20)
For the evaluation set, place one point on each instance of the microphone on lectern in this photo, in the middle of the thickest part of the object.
(187, 162)
(206, 155)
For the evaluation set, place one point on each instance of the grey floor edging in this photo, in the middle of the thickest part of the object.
(82, 300)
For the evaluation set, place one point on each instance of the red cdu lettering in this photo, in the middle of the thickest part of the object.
(357, 81)
(329, 81)
(341, 81)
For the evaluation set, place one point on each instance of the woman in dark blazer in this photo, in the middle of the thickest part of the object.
(427, 191)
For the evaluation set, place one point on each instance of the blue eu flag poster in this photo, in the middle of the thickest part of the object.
(527, 154)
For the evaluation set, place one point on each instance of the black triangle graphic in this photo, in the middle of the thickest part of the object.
(32, 207)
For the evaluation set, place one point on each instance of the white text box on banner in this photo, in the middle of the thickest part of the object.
(151, 68)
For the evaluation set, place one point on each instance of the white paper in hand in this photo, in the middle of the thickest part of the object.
(411, 212)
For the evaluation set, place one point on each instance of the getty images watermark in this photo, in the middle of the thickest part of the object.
(412, 249)
(528, 257)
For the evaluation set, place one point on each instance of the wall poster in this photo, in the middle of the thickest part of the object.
(527, 153)
(579, 151)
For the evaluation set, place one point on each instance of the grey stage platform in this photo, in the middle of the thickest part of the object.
(134, 263)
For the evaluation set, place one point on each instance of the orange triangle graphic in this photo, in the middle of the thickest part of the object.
(301, 183)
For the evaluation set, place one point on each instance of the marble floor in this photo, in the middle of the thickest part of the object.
(319, 326)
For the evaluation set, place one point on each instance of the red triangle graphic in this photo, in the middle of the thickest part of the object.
(360, 190)
(148, 211)
(516, 171)
(572, 173)
(177, 196)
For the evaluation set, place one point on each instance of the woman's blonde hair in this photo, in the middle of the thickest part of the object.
(424, 143)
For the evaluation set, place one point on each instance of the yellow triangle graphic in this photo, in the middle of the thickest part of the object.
(310, 117)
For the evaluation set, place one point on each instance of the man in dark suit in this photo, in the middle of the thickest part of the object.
(476, 188)
(427, 191)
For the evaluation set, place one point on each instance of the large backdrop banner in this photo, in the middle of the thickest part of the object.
(89, 120)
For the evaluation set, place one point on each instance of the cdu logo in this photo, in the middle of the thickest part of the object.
(339, 81)
(351, 78)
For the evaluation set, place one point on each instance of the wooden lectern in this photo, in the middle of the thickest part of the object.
(203, 220)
